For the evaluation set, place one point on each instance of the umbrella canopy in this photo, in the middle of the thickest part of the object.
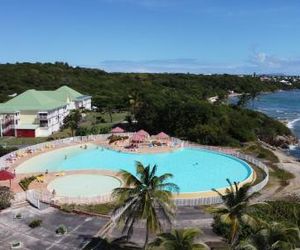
(143, 133)
(162, 136)
(5, 175)
(117, 130)
(137, 138)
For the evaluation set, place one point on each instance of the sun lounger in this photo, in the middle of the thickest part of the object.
(40, 179)
(60, 174)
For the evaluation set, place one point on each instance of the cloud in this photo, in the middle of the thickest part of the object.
(271, 63)
(259, 62)
(168, 65)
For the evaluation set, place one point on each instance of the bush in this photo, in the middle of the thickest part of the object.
(4, 151)
(35, 223)
(82, 131)
(25, 182)
(18, 216)
(62, 229)
(5, 197)
(104, 130)
(115, 138)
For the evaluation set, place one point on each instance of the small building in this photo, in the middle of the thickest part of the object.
(37, 113)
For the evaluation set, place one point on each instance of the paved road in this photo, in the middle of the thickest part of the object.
(186, 217)
(80, 229)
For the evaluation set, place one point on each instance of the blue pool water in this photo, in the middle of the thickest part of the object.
(194, 170)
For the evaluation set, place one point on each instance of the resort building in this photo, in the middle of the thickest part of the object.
(37, 113)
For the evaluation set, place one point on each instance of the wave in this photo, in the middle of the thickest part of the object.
(291, 124)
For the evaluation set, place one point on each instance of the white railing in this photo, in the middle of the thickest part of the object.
(216, 199)
(48, 198)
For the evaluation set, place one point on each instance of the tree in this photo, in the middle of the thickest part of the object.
(243, 100)
(5, 197)
(145, 196)
(234, 210)
(274, 236)
(72, 121)
(121, 243)
(135, 101)
(180, 239)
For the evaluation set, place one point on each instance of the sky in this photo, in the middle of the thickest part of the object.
(196, 36)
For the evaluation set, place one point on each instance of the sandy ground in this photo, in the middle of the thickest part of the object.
(274, 190)
(292, 165)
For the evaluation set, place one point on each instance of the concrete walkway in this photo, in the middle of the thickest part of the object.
(80, 229)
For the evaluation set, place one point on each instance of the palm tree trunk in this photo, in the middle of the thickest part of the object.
(147, 237)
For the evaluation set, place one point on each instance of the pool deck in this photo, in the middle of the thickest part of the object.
(119, 146)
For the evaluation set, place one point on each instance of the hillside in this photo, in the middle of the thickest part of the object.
(175, 103)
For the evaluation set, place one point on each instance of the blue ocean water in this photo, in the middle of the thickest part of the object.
(194, 170)
(284, 106)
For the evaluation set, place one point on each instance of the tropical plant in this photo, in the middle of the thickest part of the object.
(121, 243)
(273, 236)
(183, 239)
(72, 120)
(35, 223)
(6, 195)
(234, 210)
(145, 197)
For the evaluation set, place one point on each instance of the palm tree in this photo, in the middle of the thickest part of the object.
(182, 239)
(145, 197)
(121, 243)
(274, 236)
(234, 210)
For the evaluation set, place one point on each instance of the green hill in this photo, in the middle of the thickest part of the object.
(175, 103)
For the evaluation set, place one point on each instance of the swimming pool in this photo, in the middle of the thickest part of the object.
(194, 170)
(83, 185)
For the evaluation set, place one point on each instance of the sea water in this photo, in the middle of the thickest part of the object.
(283, 106)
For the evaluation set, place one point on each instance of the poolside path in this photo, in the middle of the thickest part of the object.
(80, 229)
(186, 217)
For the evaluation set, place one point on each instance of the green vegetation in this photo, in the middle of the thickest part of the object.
(141, 198)
(6, 195)
(174, 103)
(121, 243)
(182, 239)
(234, 212)
(26, 181)
(260, 152)
(271, 160)
(72, 121)
(118, 90)
(102, 209)
(61, 229)
(115, 138)
(283, 211)
(35, 223)
(272, 225)
(205, 123)
(6, 150)
(11, 142)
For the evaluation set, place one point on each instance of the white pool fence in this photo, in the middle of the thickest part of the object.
(34, 196)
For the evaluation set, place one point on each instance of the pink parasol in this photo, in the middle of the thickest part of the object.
(6, 175)
(137, 138)
(143, 133)
(162, 136)
(117, 130)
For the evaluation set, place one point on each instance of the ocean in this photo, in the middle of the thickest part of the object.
(283, 106)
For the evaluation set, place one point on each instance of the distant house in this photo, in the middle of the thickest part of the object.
(37, 113)
(286, 82)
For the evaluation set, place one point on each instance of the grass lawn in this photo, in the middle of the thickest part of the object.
(103, 209)
(93, 119)
(14, 141)
(89, 121)
(271, 160)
